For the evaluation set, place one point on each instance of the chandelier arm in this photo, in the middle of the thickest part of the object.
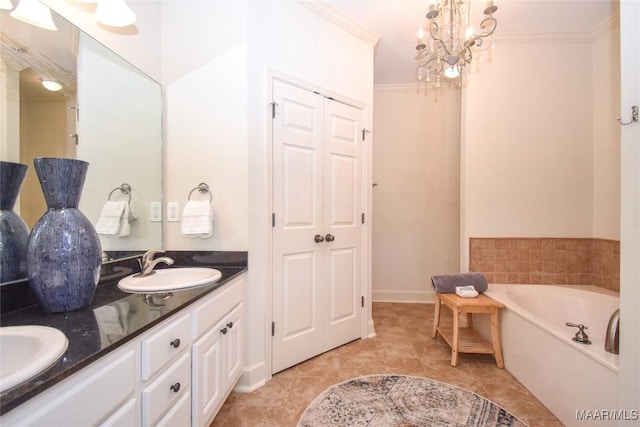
(491, 23)
(434, 29)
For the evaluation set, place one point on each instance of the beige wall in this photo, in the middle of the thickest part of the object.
(530, 163)
(416, 200)
(606, 131)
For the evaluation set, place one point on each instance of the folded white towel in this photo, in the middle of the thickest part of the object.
(197, 219)
(110, 216)
(125, 228)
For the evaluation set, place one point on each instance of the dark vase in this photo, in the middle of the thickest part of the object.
(63, 252)
(13, 231)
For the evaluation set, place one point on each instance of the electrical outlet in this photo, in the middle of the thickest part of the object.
(173, 211)
(155, 209)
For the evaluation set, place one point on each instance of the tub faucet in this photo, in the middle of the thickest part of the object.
(612, 340)
(147, 263)
(581, 336)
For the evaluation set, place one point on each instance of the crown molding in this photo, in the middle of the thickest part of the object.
(606, 26)
(335, 17)
(417, 87)
(537, 38)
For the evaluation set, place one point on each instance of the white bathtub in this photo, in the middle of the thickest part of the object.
(567, 377)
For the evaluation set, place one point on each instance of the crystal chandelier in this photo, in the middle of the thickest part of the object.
(450, 39)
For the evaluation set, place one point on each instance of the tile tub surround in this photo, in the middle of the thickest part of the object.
(551, 261)
(83, 327)
(402, 346)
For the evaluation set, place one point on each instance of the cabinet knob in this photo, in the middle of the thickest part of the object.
(329, 238)
(175, 343)
(230, 325)
(318, 238)
(224, 331)
(175, 387)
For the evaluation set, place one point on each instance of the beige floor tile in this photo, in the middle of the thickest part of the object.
(403, 346)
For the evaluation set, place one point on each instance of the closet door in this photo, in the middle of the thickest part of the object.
(317, 234)
(342, 146)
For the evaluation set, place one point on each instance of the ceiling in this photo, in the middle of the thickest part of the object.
(397, 22)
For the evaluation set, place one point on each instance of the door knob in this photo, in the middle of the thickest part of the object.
(329, 238)
(318, 238)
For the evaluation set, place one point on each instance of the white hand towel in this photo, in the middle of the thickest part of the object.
(109, 221)
(124, 228)
(196, 219)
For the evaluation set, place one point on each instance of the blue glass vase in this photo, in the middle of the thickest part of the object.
(63, 252)
(13, 231)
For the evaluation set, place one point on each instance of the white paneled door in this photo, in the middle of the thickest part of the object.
(317, 225)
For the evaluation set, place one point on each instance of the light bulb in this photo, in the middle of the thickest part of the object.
(469, 33)
(6, 4)
(451, 72)
(51, 85)
(35, 13)
(115, 13)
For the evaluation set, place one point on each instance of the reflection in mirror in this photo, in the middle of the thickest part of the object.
(107, 113)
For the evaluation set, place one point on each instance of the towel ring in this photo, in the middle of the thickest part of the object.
(124, 188)
(202, 188)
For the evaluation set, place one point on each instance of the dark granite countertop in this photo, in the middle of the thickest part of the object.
(113, 319)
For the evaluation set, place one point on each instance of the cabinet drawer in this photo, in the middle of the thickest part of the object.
(164, 345)
(211, 311)
(179, 415)
(165, 390)
(126, 416)
(90, 398)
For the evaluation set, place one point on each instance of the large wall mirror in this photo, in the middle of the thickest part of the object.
(107, 112)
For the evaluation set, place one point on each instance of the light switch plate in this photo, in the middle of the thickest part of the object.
(173, 211)
(155, 209)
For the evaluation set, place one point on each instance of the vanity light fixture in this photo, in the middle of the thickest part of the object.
(447, 47)
(51, 85)
(115, 13)
(35, 13)
(6, 4)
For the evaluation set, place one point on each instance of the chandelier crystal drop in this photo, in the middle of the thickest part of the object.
(445, 46)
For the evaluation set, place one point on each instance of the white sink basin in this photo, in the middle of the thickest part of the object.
(170, 279)
(26, 351)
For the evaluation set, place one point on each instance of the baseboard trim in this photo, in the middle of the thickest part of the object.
(252, 378)
(403, 296)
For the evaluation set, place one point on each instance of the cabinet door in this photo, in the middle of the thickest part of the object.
(208, 375)
(179, 414)
(87, 398)
(233, 348)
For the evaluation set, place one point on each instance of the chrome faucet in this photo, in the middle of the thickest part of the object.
(581, 336)
(147, 263)
(612, 340)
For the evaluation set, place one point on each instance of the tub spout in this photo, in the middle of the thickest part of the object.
(612, 340)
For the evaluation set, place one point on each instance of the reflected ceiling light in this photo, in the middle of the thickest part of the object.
(446, 49)
(114, 13)
(51, 85)
(35, 13)
(6, 4)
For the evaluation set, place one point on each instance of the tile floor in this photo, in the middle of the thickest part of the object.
(402, 345)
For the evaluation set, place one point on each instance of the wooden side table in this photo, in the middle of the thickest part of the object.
(467, 340)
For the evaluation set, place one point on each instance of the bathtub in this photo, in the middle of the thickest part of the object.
(573, 380)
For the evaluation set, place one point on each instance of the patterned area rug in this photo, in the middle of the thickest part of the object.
(396, 400)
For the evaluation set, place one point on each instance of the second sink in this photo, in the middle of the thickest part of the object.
(170, 279)
(28, 350)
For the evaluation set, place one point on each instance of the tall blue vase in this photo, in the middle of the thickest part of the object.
(63, 252)
(13, 231)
